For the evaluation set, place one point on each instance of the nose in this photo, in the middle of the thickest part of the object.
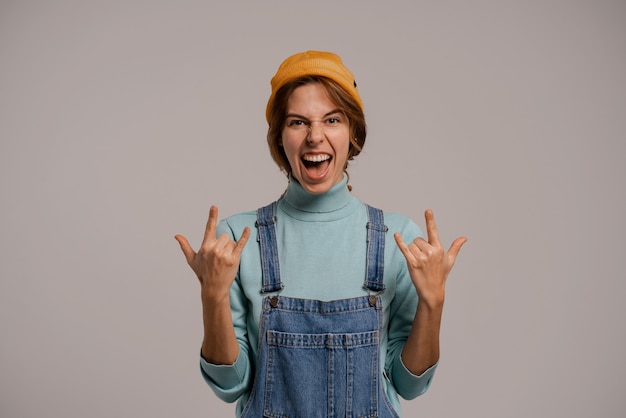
(315, 134)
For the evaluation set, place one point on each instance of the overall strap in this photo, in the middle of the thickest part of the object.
(266, 225)
(376, 230)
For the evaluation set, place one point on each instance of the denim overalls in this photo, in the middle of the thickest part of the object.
(316, 358)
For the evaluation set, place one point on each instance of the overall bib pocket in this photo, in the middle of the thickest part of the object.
(343, 368)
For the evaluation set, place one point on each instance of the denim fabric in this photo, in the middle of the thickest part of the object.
(266, 218)
(319, 358)
(376, 230)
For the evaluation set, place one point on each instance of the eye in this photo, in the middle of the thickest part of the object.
(295, 122)
(333, 120)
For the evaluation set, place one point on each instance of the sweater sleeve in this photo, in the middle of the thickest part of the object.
(402, 313)
(229, 382)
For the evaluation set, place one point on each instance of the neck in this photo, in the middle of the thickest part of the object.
(298, 202)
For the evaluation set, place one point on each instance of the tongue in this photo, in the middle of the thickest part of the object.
(316, 170)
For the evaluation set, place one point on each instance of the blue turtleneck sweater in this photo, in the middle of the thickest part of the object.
(322, 248)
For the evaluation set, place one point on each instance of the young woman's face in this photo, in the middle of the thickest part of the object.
(315, 138)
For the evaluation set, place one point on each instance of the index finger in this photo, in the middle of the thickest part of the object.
(211, 226)
(431, 227)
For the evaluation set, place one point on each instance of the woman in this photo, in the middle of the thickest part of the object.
(318, 314)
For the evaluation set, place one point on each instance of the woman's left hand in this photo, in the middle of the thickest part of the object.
(428, 263)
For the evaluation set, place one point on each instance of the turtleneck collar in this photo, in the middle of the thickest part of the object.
(336, 203)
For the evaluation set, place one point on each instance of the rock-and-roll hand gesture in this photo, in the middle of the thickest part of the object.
(217, 261)
(428, 263)
(216, 264)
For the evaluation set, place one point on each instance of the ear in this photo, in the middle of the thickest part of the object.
(280, 141)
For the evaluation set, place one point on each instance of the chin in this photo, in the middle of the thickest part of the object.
(317, 187)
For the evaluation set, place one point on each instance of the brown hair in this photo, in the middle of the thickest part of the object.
(346, 103)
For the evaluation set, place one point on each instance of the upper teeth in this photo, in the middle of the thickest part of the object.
(316, 158)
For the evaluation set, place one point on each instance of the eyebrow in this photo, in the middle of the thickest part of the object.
(295, 115)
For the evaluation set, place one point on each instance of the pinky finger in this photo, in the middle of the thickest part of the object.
(456, 247)
(402, 246)
(243, 240)
(186, 248)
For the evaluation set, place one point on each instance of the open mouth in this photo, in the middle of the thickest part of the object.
(314, 160)
(316, 164)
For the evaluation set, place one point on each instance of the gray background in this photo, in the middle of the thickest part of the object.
(122, 121)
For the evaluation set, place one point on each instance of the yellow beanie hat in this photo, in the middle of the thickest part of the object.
(325, 64)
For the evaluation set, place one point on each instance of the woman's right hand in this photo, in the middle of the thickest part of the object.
(216, 264)
(217, 261)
